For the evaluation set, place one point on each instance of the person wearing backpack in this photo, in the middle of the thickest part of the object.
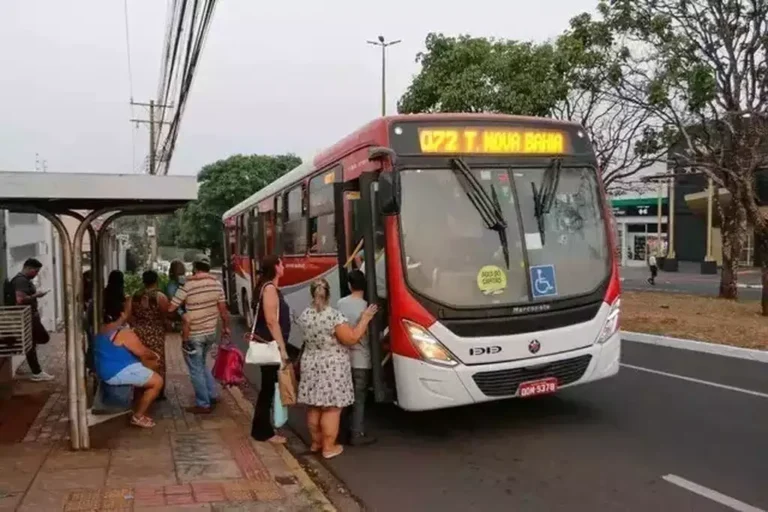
(26, 294)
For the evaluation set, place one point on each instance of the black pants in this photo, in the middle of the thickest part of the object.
(261, 428)
(32, 361)
(39, 336)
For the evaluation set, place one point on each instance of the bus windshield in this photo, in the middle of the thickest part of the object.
(553, 230)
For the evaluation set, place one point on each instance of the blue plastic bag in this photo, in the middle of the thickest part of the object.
(279, 412)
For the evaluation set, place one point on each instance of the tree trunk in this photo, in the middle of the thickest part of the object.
(733, 228)
(761, 250)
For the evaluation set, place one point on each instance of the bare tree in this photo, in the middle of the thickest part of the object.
(623, 134)
(701, 67)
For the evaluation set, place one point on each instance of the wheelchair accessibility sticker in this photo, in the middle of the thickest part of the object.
(543, 282)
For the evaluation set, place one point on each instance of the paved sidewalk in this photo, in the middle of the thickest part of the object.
(186, 462)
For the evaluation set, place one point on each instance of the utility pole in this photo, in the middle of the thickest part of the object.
(150, 227)
(40, 165)
(384, 45)
(153, 130)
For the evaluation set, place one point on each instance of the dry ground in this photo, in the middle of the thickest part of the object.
(697, 318)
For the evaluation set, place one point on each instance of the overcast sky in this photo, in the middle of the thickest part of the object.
(274, 77)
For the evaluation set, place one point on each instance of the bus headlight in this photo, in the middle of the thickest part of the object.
(611, 324)
(430, 349)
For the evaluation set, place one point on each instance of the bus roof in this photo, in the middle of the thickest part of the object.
(372, 133)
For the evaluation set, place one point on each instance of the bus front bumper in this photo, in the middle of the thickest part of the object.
(422, 386)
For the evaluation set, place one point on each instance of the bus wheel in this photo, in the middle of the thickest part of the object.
(247, 313)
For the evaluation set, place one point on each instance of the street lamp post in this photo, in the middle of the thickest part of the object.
(384, 45)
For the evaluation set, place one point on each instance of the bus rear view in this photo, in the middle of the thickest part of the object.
(501, 273)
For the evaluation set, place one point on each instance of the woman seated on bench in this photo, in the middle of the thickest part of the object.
(121, 359)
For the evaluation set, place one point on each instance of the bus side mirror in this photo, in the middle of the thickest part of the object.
(389, 193)
(389, 182)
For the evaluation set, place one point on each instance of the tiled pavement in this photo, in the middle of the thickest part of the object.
(186, 462)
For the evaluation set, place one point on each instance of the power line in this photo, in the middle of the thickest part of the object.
(182, 72)
(130, 80)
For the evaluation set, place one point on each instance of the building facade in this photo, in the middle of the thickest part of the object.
(640, 231)
(31, 236)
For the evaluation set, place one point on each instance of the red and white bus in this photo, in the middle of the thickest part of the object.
(495, 270)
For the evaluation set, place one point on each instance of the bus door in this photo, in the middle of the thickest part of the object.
(369, 224)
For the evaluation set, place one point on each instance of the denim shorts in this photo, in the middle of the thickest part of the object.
(135, 374)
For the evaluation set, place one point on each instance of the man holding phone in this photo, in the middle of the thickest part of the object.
(27, 295)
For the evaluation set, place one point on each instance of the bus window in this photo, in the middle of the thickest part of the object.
(256, 247)
(294, 229)
(238, 235)
(244, 225)
(322, 222)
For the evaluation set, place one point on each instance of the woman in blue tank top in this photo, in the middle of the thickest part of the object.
(121, 359)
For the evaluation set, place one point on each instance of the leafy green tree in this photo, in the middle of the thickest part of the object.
(223, 184)
(476, 74)
(169, 229)
(701, 66)
(568, 79)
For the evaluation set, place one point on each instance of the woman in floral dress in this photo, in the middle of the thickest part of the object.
(326, 375)
(148, 319)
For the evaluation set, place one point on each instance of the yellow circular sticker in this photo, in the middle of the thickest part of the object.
(491, 280)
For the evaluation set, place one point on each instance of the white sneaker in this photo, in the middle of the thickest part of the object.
(41, 377)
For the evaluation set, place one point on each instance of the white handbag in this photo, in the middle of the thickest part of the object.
(260, 352)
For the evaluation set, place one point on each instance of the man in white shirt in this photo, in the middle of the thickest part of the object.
(654, 270)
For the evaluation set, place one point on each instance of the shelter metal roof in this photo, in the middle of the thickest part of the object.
(57, 192)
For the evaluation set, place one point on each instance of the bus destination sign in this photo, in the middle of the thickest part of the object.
(491, 140)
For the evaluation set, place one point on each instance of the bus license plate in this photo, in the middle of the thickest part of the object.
(537, 387)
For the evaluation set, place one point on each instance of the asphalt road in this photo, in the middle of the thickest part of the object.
(604, 446)
(683, 283)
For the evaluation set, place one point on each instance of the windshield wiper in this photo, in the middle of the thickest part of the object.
(544, 197)
(488, 207)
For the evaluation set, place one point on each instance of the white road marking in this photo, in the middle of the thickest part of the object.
(697, 381)
(729, 502)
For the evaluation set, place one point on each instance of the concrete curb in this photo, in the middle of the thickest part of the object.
(303, 478)
(760, 356)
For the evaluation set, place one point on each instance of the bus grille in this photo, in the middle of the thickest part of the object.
(505, 382)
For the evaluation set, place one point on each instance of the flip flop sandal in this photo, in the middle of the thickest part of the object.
(334, 454)
(142, 422)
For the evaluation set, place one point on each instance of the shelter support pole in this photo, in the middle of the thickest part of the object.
(658, 220)
(710, 201)
(70, 317)
(82, 404)
(671, 221)
(117, 211)
(96, 286)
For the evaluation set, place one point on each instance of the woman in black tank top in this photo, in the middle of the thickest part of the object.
(273, 322)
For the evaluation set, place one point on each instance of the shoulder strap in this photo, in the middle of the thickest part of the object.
(258, 307)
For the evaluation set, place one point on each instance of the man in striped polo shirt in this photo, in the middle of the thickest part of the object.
(203, 298)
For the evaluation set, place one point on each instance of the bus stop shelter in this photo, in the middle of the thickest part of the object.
(107, 197)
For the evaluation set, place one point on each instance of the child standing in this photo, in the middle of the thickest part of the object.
(352, 307)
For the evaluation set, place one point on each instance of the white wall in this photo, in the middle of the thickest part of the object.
(31, 236)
